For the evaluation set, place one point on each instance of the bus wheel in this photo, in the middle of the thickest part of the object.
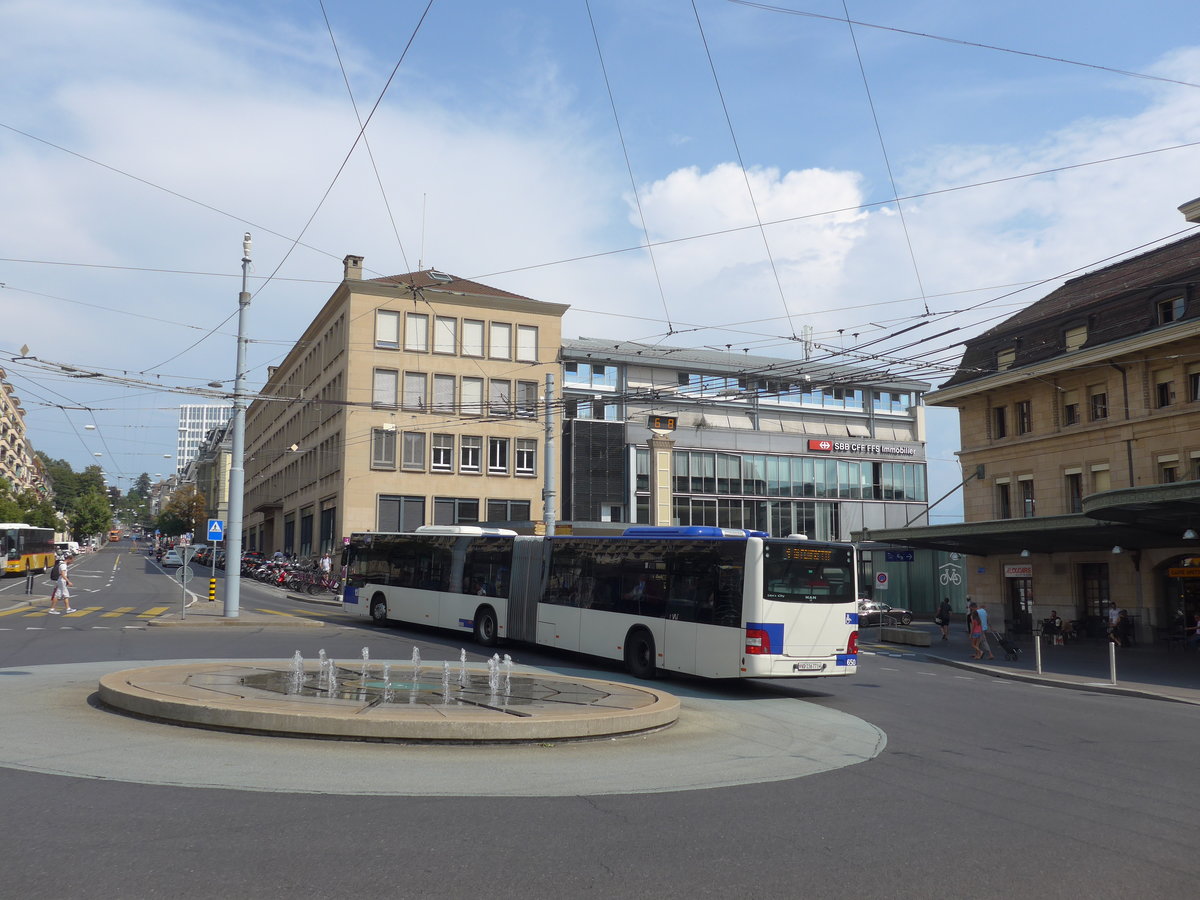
(639, 654)
(379, 611)
(486, 632)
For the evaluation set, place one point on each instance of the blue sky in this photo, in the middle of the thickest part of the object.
(139, 140)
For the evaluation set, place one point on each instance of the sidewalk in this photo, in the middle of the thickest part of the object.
(1144, 670)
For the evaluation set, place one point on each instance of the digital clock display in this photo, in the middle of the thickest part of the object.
(661, 423)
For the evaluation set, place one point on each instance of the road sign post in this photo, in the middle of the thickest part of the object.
(184, 574)
(216, 534)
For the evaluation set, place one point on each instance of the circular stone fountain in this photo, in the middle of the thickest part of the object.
(413, 703)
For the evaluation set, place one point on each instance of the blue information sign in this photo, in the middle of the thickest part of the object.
(898, 555)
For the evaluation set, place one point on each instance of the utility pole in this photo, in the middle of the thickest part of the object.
(237, 470)
(548, 460)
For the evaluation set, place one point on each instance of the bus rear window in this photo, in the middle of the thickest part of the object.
(806, 573)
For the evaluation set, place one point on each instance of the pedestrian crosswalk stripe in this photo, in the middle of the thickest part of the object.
(15, 611)
(153, 611)
(119, 611)
(83, 612)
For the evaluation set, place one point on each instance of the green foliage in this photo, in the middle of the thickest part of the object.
(184, 512)
(90, 515)
(141, 487)
(28, 507)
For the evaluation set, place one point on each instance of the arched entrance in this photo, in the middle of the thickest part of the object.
(1179, 580)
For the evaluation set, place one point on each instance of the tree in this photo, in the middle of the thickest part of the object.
(27, 507)
(184, 512)
(141, 487)
(91, 515)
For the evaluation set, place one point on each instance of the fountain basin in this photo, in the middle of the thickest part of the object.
(258, 698)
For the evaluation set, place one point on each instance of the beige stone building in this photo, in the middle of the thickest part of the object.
(412, 399)
(1080, 429)
(19, 466)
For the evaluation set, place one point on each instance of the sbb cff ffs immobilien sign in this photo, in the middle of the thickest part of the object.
(820, 446)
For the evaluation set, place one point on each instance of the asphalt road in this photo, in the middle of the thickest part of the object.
(986, 788)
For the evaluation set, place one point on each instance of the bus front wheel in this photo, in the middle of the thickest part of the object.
(486, 631)
(639, 654)
(379, 611)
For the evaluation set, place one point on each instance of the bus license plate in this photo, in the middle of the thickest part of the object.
(807, 667)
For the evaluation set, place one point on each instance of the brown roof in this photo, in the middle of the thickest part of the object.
(1115, 302)
(445, 282)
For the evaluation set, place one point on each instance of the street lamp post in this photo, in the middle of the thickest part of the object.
(237, 472)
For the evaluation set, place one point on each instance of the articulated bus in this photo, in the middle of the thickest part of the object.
(26, 548)
(706, 601)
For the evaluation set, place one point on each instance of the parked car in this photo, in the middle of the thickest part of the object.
(171, 559)
(870, 612)
(220, 560)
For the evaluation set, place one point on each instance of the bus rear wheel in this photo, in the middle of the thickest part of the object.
(379, 611)
(639, 654)
(486, 630)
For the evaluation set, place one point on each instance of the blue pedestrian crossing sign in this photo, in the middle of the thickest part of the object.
(216, 530)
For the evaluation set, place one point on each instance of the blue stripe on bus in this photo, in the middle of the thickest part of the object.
(852, 618)
(847, 659)
(774, 632)
(466, 623)
(350, 595)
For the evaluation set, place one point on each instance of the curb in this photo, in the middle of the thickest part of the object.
(1050, 681)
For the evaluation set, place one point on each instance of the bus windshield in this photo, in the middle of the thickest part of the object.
(798, 573)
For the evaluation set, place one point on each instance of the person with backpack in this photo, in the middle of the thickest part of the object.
(58, 574)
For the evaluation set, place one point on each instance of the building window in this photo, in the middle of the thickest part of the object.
(416, 332)
(527, 343)
(597, 375)
(1098, 404)
(1093, 588)
(443, 453)
(1074, 492)
(455, 511)
(385, 386)
(1164, 388)
(1070, 407)
(1171, 310)
(999, 422)
(1027, 502)
(414, 390)
(387, 329)
(1024, 417)
(508, 510)
(472, 337)
(499, 397)
(1005, 358)
(400, 513)
(1074, 338)
(469, 450)
(500, 341)
(527, 399)
(526, 456)
(445, 334)
(383, 448)
(443, 393)
(498, 456)
(1168, 472)
(1194, 386)
(414, 451)
(472, 397)
(1003, 501)
(1101, 480)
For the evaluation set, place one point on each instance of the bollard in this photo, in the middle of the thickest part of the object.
(29, 581)
(1037, 651)
(1112, 663)
(212, 590)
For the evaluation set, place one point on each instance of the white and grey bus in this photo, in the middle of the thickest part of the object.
(706, 601)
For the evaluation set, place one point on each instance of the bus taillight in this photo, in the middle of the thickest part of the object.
(852, 644)
(757, 641)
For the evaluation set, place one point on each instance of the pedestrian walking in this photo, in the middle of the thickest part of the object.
(974, 630)
(984, 647)
(942, 619)
(61, 590)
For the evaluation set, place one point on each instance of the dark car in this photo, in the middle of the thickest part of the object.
(220, 559)
(870, 612)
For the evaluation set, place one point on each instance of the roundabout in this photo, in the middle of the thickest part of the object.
(725, 735)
